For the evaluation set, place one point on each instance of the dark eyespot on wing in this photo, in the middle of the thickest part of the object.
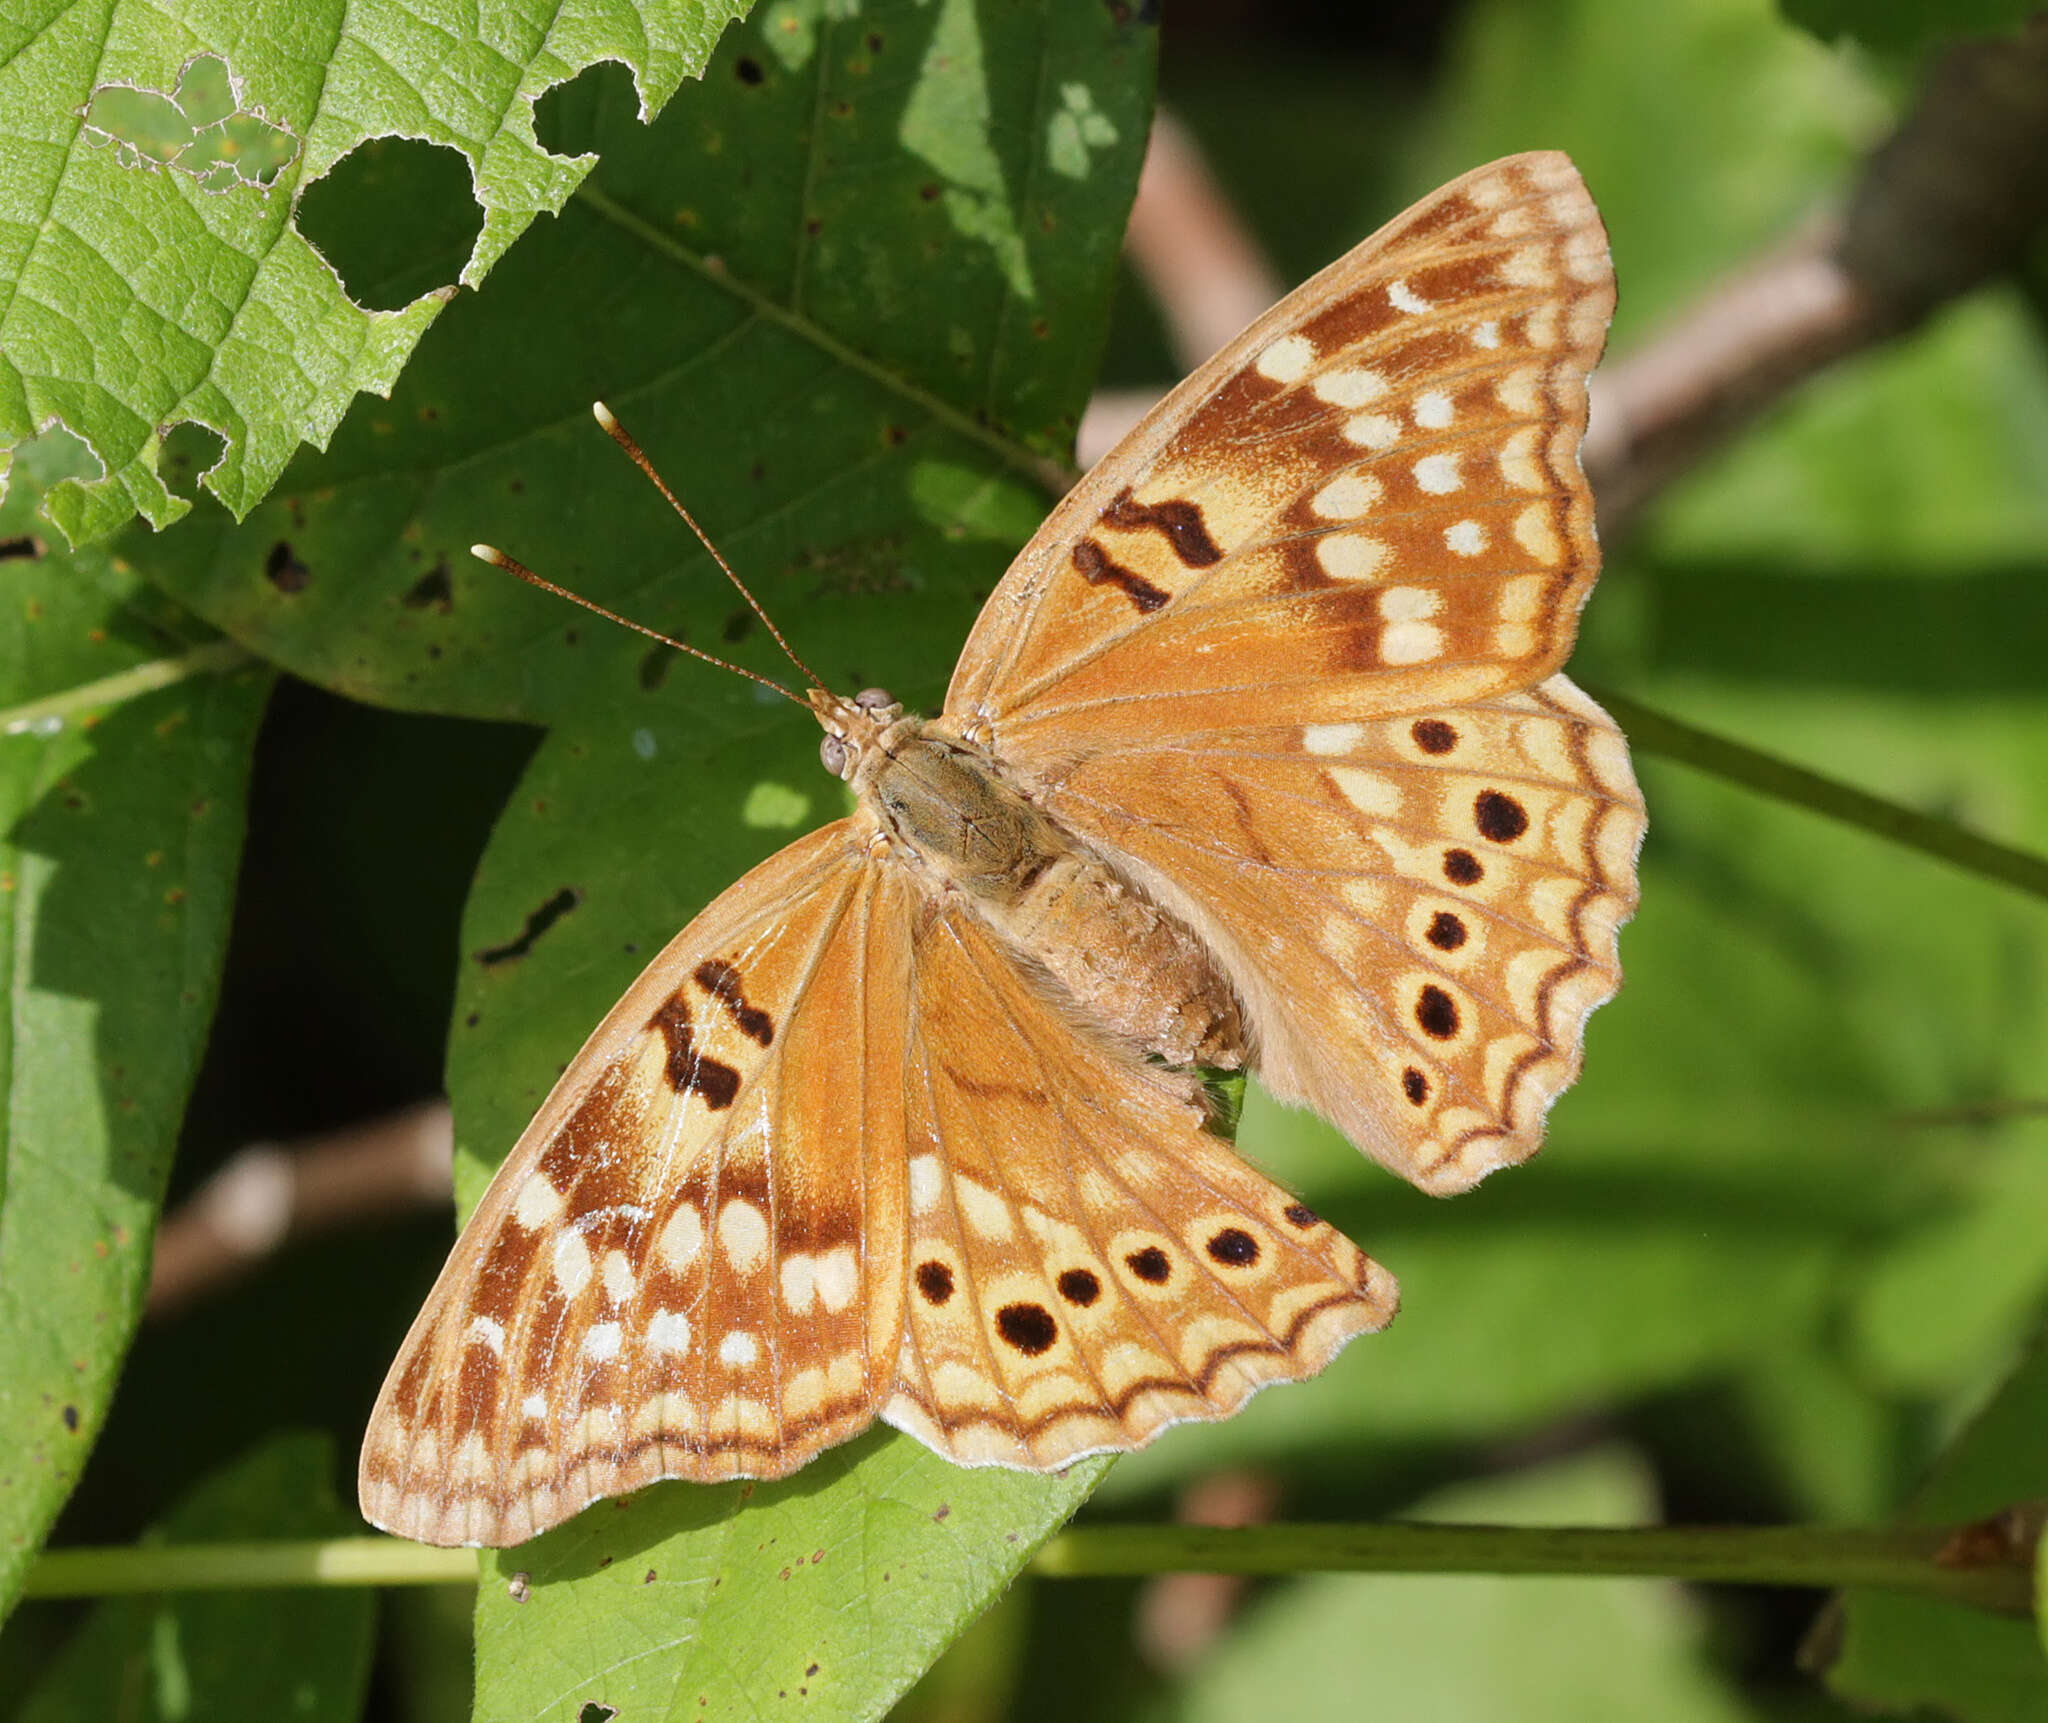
(1079, 1286)
(935, 1281)
(1301, 1215)
(722, 981)
(1234, 1247)
(1150, 1264)
(1461, 867)
(1028, 1327)
(1415, 1086)
(689, 1070)
(1446, 931)
(1500, 818)
(1178, 521)
(1097, 570)
(1437, 1012)
(1433, 735)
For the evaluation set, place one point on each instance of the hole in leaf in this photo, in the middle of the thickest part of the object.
(596, 1712)
(199, 131)
(395, 217)
(189, 451)
(567, 117)
(537, 924)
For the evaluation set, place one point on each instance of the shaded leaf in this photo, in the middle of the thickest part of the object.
(226, 1655)
(123, 829)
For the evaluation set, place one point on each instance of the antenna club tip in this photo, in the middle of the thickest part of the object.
(487, 553)
(603, 415)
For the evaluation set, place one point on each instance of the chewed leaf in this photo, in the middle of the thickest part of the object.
(229, 317)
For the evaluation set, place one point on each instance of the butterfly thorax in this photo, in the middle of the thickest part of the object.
(1128, 963)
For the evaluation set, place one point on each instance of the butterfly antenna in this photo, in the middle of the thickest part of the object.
(498, 559)
(618, 434)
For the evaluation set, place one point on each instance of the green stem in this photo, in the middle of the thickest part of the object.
(1899, 1559)
(1050, 474)
(124, 1568)
(1654, 733)
(53, 709)
(1903, 1559)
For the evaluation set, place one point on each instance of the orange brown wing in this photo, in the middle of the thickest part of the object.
(1087, 1263)
(1369, 502)
(690, 1266)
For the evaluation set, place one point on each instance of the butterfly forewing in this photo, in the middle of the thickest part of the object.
(690, 1265)
(1088, 1264)
(1370, 500)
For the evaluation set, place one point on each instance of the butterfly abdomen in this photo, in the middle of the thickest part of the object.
(1129, 965)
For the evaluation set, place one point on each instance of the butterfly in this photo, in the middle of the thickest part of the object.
(1257, 757)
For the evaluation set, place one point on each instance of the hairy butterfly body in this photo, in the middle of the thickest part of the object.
(1256, 757)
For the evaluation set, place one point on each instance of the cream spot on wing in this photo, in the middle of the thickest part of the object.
(838, 1278)
(681, 1239)
(668, 1331)
(799, 1282)
(1368, 792)
(1465, 537)
(618, 1276)
(539, 1204)
(1350, 555)
(1518, 392)
(1539, 328)
(1411, 642)
(1535, 534)
(1437, 474)
(1372, 431)
(1331, 738)
(804, 1394)
(984, 1210)
(595, 1429)
(603, 1340)
(927, 1181)
(738, 1349)
(1526, 266)
(534, 1406)
(1346, 498)
(1410, 603)
(1486, 334)
(1433, 410)
(1349, 388)
(472, 1461)
(743, 1234)
(1404, 298)
(1514, 640)
(572, 1265)
(1518, 465)
(1521, 598)
(1286, 360)
(486, 1331)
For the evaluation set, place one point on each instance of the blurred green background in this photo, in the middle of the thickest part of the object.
(1787, 1236)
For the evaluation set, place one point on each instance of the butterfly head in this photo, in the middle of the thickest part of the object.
(852, 727)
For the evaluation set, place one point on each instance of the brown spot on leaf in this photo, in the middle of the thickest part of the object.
(537, 924)
(283, 569)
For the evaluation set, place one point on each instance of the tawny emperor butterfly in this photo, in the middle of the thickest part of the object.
(1257, 757)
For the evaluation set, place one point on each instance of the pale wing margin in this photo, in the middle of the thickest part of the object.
(1088, 1264)
(684, 1267)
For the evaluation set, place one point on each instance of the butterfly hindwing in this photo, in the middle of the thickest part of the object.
(1088, 1264)
(690, 1264)
(1419, 911)
(1371, 500)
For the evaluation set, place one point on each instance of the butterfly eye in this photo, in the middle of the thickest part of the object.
(832, 750)
(874, 699)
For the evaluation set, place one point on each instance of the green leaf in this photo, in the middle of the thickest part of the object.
(146, 282)
(1905, 27)
(1533, 1650)
(849, 293)
(226, 1656)
(832, 1590)
(124, 757)
(1903, 1653)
